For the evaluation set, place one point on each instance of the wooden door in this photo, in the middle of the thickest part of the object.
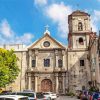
(46, 85)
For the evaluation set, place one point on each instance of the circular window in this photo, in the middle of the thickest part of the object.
(46, 44)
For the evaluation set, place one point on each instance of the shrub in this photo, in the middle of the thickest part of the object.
(70, 94)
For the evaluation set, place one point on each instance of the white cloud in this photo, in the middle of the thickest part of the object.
(93, 25)
(98, 0)
(5, 29)
(96, 15)
(8, 36)
(59, 14)
(95, 19)
(26, 38)
(40, 2)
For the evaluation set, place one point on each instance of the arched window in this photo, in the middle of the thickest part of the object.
(60, 63)
(80, 26)
(81, 41)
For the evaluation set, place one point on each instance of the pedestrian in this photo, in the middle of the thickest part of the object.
(0, 90)
(84, 98)
(90, 96)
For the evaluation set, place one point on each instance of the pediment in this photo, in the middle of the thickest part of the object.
(46, 42)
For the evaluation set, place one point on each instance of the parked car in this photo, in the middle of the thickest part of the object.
(99, 97)
(40, 96)
(50, 95)
(5, 92)
(96, 96)
(13, 97)
(32, 95)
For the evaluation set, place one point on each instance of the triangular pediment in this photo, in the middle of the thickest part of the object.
(46, 42)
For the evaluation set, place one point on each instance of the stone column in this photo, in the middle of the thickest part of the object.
(29, 81)
(56, 82)
(56, 61)
(33, 83)
(64, 82)
(30, 62)
(30, 59)
(36, 84)
(64, 59)
(56, 53)
(97, 71)
(36, 57)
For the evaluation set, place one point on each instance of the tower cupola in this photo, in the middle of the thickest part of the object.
(79, 22)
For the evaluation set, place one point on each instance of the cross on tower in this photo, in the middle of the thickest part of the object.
(47, 27)
(46, 30)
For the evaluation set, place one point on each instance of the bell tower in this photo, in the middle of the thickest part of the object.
(79, 30)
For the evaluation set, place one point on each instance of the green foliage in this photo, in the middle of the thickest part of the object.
(93, 89)
(70, 94)
(8, 67)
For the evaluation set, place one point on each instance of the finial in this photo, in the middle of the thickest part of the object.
(46, 30)
(46, 27)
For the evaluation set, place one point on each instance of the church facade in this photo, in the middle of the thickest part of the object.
(47, 65)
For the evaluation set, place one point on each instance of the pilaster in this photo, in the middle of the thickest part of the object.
(56, 75)
(30, 59)
(64, 82)
(36, 83)
(64, 59)
(29, 81)
(36, 57)
(56, 54)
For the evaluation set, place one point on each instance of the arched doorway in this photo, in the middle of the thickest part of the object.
(46, 85)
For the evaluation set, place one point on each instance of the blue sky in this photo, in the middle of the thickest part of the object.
(24, 21)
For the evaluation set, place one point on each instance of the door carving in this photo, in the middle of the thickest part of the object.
(46, 85)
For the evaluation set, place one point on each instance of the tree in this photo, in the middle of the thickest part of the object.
(8, 67)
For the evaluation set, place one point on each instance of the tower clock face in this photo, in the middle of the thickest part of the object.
(46, 44)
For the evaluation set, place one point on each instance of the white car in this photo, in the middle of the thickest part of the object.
(50, 95)
(31, 95)
(13, 97)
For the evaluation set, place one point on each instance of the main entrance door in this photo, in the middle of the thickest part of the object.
(46, 85)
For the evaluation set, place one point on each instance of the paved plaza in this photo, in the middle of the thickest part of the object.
(66, 98)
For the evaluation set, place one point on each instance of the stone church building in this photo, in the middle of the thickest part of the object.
(47, 65)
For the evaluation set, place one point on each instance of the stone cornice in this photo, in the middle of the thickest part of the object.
(45, 72)
(71, 50)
